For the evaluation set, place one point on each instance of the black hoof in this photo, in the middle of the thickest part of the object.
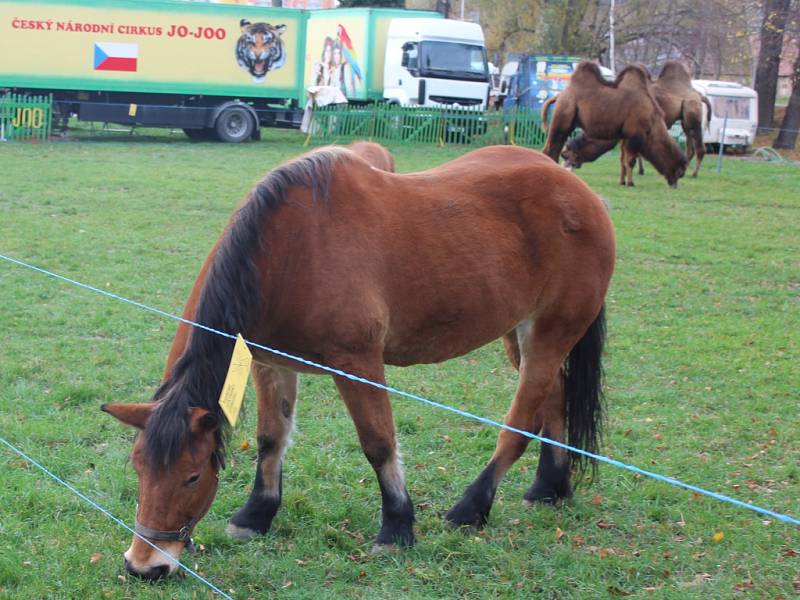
(252, 520)
(396, 535)
(542, 493)
(467, 514)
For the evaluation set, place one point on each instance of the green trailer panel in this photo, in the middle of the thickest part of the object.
(346, 48)
(149, 46)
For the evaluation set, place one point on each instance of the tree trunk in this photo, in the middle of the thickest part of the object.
(787, 137)
(443, 7)
(769, 57)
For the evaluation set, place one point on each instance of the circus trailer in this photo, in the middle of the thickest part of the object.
(402, 57)
(214, 70)
(734, 113)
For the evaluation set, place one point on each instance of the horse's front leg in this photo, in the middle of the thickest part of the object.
(277, 393)
(372, 415)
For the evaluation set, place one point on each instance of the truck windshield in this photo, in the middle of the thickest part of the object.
(451, 60)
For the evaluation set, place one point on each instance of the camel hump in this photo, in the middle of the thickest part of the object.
(634, 72)
(588, 68)
(675, 70)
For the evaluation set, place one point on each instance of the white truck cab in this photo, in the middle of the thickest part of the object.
(436, 62)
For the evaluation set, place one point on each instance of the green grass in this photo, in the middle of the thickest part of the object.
(704, 315)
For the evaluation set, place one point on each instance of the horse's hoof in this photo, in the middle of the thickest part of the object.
(383, 549)
(240, 533)
(461, 517)
(541, 501)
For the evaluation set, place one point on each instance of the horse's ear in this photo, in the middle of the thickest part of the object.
(205, 421)
(135, 415)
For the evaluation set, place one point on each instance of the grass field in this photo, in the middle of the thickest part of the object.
(704, 324)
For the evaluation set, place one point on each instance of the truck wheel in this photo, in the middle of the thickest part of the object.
(234, 124)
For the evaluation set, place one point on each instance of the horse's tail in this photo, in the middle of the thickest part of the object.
(545, 108)
(707, 102)
(583, 390)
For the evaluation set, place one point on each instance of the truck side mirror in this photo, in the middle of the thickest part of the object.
(409, 59)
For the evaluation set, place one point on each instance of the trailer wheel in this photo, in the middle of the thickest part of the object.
(234, 124)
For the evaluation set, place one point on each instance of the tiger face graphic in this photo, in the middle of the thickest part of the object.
(260, 48)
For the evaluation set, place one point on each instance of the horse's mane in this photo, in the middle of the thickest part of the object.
(676, 71)
(230, 301)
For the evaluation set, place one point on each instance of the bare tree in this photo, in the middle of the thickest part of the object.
(787, 137)
(776, 13)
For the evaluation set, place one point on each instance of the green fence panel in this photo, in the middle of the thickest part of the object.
(426, 125)
(25, 117)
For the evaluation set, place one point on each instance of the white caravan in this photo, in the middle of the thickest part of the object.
(436, 62)
(739, 103)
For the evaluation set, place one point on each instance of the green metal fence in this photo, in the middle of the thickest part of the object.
(25, 117)
(424, 125)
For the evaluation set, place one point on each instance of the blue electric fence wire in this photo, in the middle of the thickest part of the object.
(463, 413)
(112, 517)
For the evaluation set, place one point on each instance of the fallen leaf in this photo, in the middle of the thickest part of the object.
(95, 557)
(615, 591)
(790, 553)
(559, 533)
(288, 584)
(603, 525)
(245, 445)
(441, 469)
(597, 499)
(447, 438)
(718, 536)
(744, 585)
(300, 562)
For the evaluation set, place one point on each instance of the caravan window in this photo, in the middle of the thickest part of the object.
(730, 106)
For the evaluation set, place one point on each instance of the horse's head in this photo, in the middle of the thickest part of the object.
(173, 496)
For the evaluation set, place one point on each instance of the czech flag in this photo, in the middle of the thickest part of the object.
(111, 56)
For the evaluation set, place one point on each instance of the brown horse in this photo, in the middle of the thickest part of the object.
(328, 259)
(624, 109)
(678, 100)
(375, 154)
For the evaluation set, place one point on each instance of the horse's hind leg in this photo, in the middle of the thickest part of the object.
(552, 474)
(543, 348)
(277, 393)
(372, 415)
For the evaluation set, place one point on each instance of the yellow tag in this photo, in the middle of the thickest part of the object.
(132, 110)
(230, 399)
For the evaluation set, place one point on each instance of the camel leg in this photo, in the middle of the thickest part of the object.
(372, 415)
(276, 390)
(543, 348)
(561, 125)
(696, 136)
(631, 164)
(623, 165)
